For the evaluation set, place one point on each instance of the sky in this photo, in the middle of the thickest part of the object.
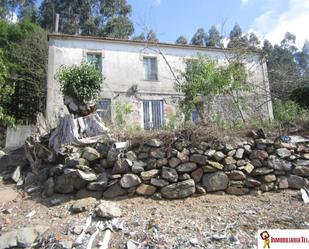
(269, 19)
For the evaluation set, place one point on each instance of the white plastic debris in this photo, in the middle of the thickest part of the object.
(304, 195)
(80, 238)
(29, 215)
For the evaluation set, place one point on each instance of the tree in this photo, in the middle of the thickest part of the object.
(181, 40)
(203, 80)
(199, 38)
(28, 11)
(214, 38)
(237, 39)
(140, 37)
(6, 92)
(8, 7)
(289, 42)
(151, 36)
(254, 41)
(92, 17)
(25, 50)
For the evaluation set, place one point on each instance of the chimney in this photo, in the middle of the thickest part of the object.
(56, 23)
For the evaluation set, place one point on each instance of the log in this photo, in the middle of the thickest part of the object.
(77, 131)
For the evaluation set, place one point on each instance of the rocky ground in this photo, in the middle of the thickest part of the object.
(206, 221)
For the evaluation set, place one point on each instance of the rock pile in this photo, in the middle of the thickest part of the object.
(178, 170)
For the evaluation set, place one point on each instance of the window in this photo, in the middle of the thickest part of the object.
(150, 68)
(104, 110)
(96, 59)
(152, 114)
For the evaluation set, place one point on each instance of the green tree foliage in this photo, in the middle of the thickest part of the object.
(140, 37)
(203, 80)
(254, 41)
(214, 38)
(28, 11)
(237, 39)
(25, 51)
(152, 36)
(7, 7)
(181, 40)
(92, 17)
(199, 38)
(82, 82)
(6, 92)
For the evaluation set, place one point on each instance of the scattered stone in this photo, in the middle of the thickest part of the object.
(108, 209)
(130, 180)
(301, 171)
(215, 165)
(87, 176)
(215, 181)
(114, 191)
(197, 175)
(186, 167)
(179, 190)
(91, 154)
(239, 153)
(16, 174)
(218, 156)
(22, 237)
(138, 167)
(198, 158)
(200, 189)
(259, 155)
(154, 143)
(269, 178)
(144, 189)
(100, 184)
(261, 171)
(283, 152)
(248, 168)
(237, 175)
(173, 162)
(278, 164)
(147, 175)
(169, 174)
(297, 182)
(83, 205)
(252, 183)
(158, 182)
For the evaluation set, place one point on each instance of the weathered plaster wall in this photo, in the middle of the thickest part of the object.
(122, 64)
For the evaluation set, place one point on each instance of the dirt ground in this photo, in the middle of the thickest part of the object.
(208, 221)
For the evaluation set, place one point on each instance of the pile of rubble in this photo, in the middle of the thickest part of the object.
(173, 171)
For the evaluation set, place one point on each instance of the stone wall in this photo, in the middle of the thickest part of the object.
(178, 170)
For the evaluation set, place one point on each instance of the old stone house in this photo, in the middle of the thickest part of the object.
(141, 74)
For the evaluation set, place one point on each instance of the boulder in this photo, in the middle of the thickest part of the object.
(248, 168)
(197, 175)
(301, 171)
(297, 182)
(157, 153)
(258, 154)
(64, 184)
(252, 183)
(121, 167)
(91, 154)
(239, 153)
(269, 178)
(261, 171)
(198, 158)
(218, 156)
(158, 182)
(183, 155)
(16, 174)
(162, 162)
(82, 205)
(100, 184)
(144, 189)
(114, 191)
(237, 175)
(129, 180)
(169, 174)
(229, 160)
(48, 187)
(210, 152)
(147, 175)
(215, 165)
(138, 166)
(108, 209)
(131, 156)
(112, 157)
(154, 143)
(151, 163)
(283, 182)
(87, 176)
(186, 167)
(283, 152)
(278, 164)
(215, 181)
(173, 162)
(232, 190)
(179, 190)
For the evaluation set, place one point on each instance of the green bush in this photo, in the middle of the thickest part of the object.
(82, 83)
(289, 112)
(121, 111)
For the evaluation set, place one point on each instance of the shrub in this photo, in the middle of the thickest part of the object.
(121, 111)
(82, 83)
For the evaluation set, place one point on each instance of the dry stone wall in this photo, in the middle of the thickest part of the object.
(178, 170)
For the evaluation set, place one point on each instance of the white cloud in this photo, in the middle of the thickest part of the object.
(157, 2)
(273, 25)
(244, 2)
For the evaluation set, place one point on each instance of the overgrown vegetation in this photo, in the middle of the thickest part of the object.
(81, 82)
(121, 111)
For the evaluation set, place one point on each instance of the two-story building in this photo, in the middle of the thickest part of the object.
(142, 74)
